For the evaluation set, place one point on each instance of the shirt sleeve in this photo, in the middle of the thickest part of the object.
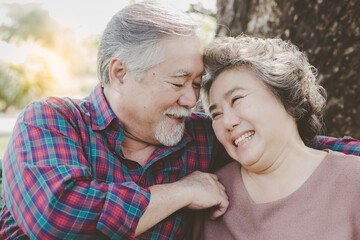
(347, 145)
(49, 187)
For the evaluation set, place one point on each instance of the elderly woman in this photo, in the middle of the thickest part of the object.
(266, 105)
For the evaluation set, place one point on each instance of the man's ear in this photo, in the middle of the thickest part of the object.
(117, 72)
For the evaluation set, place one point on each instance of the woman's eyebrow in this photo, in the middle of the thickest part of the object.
(226, 95)
(231, 91)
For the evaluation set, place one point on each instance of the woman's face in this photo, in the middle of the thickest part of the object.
(248, 119)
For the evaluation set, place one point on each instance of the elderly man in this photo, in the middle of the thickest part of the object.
(129, 160)
(113, 165)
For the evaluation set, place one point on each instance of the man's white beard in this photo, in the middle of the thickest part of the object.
(167, 133)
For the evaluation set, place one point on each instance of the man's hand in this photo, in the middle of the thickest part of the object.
(205, 191)
(196, 191)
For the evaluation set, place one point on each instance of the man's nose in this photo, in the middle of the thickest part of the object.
(189, 97)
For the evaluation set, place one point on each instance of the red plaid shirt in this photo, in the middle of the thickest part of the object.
(65, 176)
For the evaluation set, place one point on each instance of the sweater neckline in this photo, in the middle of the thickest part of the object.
(309, 182)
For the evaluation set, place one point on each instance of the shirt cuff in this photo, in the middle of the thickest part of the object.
(124, 205)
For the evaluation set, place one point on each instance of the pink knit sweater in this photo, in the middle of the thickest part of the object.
(326, 206)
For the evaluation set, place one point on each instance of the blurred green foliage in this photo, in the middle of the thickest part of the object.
(21, 83)
(3, 143)
(20, 86)
(29, 22)
(4, 140)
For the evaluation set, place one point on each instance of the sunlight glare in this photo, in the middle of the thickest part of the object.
(30, 53)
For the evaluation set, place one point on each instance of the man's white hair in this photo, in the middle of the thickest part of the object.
(134, 33)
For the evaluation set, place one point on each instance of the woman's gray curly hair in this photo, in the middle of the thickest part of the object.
(281, 66)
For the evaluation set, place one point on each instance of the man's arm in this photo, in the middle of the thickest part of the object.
(49, 187)
(347, 145)
(51, 193)
(196, 191)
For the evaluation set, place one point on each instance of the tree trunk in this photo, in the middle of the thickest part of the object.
(329, 33)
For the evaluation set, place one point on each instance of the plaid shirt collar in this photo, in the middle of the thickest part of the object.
(103, 115)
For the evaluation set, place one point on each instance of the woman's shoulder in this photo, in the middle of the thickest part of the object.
(342, 159)
(228, 167)
(229, 172)
(344, 166)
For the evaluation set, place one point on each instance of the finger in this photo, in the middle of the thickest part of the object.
(221, 186)
(213, 176)
(215, 214)
(224, 196)
(219, 211)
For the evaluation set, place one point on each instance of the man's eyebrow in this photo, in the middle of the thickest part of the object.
(181, 73)
(184, 73)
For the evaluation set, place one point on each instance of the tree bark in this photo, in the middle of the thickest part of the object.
(232, 16)
(328, 32)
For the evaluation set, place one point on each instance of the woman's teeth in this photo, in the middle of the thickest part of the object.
(243, 138)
